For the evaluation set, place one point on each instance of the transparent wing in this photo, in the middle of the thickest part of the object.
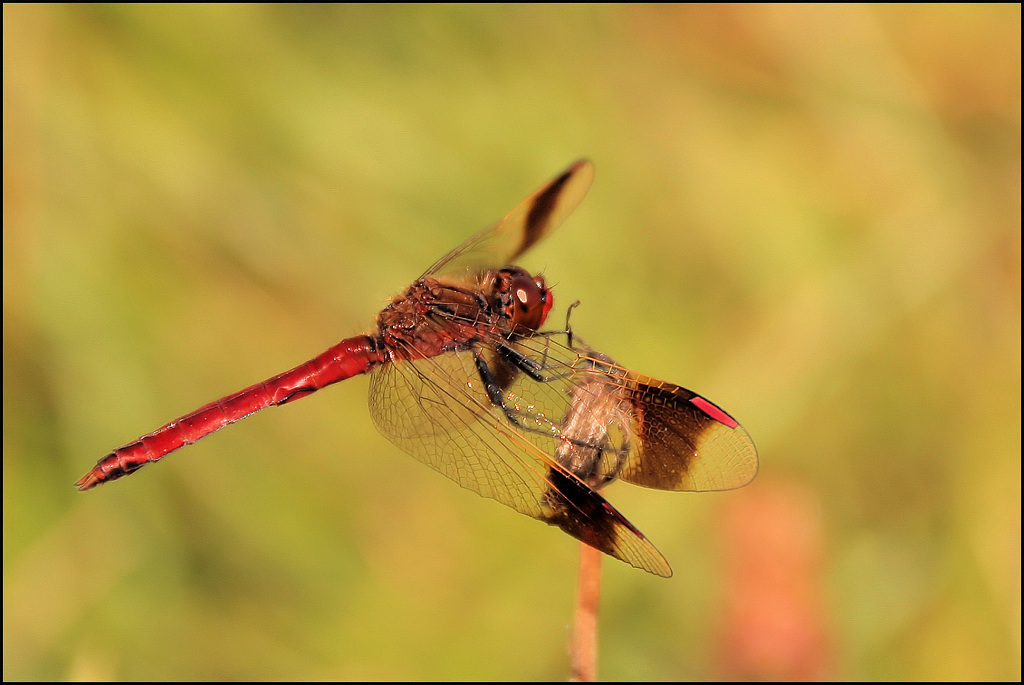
(522, 228)
(437, 410)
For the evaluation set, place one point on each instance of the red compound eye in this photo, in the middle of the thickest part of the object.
(529, 299)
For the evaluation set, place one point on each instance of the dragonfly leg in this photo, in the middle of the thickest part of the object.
(496, 381)
(530, 367)
(493, 388)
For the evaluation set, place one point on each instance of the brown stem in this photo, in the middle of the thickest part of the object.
(583, 648)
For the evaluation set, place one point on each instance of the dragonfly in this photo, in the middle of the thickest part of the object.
(463, 379)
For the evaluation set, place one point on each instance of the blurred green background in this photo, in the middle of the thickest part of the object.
(809, 214)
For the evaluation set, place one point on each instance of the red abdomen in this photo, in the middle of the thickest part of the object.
(348, 358)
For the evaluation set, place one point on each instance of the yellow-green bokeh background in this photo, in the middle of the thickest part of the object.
(809, 214)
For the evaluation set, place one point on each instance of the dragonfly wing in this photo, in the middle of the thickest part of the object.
(437, 410)
(685, 442)
(522, 228)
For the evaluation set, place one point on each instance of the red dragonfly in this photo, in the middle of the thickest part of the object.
(462, 379)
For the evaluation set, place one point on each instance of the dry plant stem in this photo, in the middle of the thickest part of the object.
(583, 648)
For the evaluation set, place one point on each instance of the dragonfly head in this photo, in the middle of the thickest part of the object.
(524, 299)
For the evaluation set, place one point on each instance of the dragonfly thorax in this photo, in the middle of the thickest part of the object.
(435, 315)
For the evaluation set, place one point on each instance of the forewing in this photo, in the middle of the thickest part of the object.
(436, 409)
(526, 225)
